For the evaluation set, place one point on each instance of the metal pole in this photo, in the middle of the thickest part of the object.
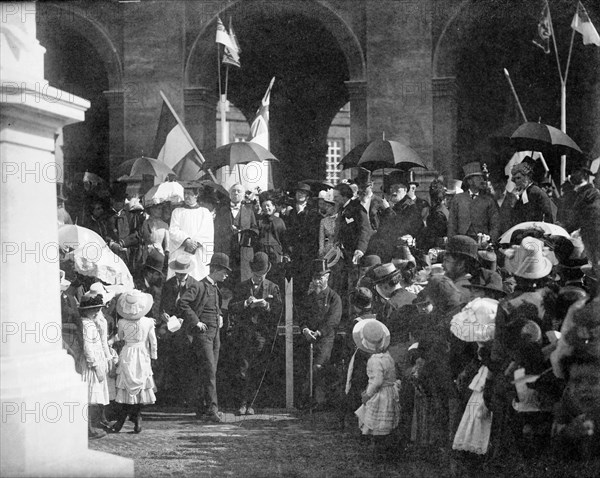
(514, 92)
(310, 373)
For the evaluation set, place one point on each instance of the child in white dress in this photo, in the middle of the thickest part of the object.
(135, 384)
(380, 412)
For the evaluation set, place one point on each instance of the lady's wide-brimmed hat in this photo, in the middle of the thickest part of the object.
(528, 260)
(260, 263)
(98, 288)
(134, 304)
(476, 322)
(182, 265)
(371, 336)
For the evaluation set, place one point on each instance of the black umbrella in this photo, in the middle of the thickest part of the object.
(237, 153)
(381, 154)
(543, 138)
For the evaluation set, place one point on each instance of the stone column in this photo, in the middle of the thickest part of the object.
(116, 129)
(445, 126)
(43, 400)
(200, 103)
(357, 91)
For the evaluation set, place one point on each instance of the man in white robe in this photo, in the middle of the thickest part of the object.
(192, 231)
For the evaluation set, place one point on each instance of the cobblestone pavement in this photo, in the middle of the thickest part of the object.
(280, 444)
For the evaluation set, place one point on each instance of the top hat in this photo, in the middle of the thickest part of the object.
(303, 187)
(453, 186)
(134, 304)
(155, 261)
(363, 178)
(248, 237)
(371, 336)
(395, 177)
(462, 245)
(528, 260)
(413, 182)
(182, 265)
(384, 272)
(489, 281)
(476, 322)
(220, 259)
(362, 297)
(472, 169)
(260, 263)
(320, 268)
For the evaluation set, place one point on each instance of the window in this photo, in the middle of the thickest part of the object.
(335, 151)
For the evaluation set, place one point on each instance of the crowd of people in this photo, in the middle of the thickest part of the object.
(421, 319)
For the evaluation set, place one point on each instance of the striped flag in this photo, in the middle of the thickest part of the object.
(222, 36)
(232, 56)
(259, 131)
(174, 146)
(582, 24)
(544, 30)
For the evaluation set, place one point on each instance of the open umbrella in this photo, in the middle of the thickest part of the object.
(380, 154)
(316, 185)
(206, 184)
(170, 191)
(544, 138)
(103, 264)
(143, 166)
(237, 153)
(74, 237)
(547, 228)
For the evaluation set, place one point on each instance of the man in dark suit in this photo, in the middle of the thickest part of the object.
(320, 316)
(302, 226)
(202, 319)
(174, 347)
(505, 201)
(257, 307)
(532, 204)
(474, 211)
(235, 228)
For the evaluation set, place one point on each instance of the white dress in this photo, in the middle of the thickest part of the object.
(92, 362)
(380, 415)
(197, 224)
(473, 433)
(135, 384)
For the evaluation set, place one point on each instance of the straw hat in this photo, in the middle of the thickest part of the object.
(476, 321)
(182, 265)
(371, 336)
(384, 272)
(134, 304)
(528, 260)
(327, 196)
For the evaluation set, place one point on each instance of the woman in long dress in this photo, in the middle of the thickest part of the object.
(135, 384)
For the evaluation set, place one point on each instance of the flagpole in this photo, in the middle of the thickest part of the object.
(514, 92)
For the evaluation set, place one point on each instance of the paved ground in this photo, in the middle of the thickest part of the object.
(278, 444)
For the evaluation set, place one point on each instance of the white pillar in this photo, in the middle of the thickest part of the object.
(43, 401)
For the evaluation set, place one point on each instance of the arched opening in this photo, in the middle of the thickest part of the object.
(300, 45)
(486, 37)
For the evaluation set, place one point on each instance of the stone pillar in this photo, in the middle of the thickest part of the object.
(357, 91)
(43, 400)
(200, 103)
(116, 129)
(445, 126)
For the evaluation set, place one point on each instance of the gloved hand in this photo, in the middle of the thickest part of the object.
(309, 335)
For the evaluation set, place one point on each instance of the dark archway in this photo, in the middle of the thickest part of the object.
(485, 37)
(310, 51)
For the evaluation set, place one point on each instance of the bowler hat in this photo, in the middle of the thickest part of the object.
(155, 261)
(472, 169)
(362, 297)
(369, 261)
(182, 264)
(303, 187)
(371, 336)
(260, 263)
(320, 268)
(462, 245)
(220, 259)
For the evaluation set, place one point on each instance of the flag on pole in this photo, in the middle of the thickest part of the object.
(231, 56)
(544, 30)
(222, 36)
(582, 24)
(173, 145)
(259, 131)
